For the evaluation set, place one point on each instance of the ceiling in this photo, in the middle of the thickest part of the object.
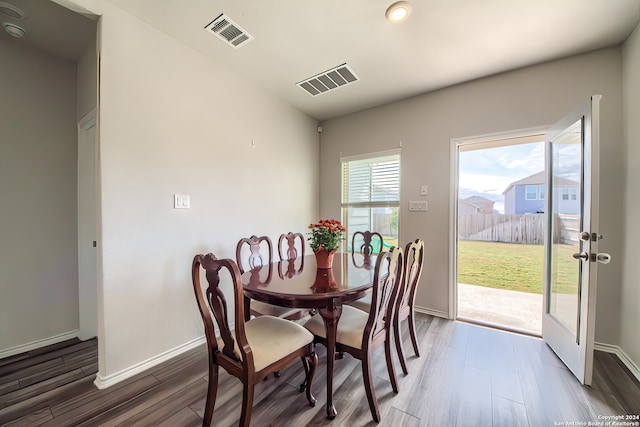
(443, 42)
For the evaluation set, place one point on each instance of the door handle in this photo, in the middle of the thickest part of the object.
(582, 255)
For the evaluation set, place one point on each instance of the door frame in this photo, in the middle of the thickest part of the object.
(455, 143)
(87, 288)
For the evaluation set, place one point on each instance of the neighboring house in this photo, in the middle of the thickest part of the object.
(528, 195)
(466, 208)
(482, 204)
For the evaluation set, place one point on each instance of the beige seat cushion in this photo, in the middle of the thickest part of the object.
(271, 339)
(350, 326)
(272, 310)
(363, 304)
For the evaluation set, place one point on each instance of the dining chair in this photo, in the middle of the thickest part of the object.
(367, 245)
(253, 252)
(360, 333)
(405, 302)
(291, 249)
(255, 348)
(288, 246)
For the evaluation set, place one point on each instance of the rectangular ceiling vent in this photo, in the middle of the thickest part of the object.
(329, 80)
(229, 32)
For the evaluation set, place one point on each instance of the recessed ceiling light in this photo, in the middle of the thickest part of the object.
(14, 30)
(398, 11)
(11, 11)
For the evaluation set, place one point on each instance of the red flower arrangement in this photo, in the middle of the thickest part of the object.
(326, 233)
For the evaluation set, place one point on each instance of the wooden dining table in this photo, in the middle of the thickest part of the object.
(301, 284)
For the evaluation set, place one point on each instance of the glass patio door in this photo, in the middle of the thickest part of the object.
(572, 156)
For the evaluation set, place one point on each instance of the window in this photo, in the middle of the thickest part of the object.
(531, 192)
(569, 193)
(371, 195)
(534, 192)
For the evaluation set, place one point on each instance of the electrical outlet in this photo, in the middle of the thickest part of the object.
(424, 190)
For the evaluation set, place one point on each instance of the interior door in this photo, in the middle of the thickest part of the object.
(572, 155)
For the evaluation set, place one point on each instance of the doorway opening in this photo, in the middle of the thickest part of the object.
(499, 244)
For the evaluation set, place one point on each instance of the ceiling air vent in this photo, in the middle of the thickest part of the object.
(229, 32)
(329, 80)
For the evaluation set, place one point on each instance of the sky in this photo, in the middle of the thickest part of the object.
(488, 172)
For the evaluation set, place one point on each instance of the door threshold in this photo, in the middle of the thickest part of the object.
(499, 326)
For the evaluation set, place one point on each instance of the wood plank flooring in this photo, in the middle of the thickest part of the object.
(466, 376)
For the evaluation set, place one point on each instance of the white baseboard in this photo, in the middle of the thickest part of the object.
(107, 381)
(624, 357)
(432, 312)
(38, 344)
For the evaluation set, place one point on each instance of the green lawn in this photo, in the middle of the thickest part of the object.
(513, 266)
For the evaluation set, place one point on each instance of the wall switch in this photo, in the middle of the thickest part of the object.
(418, 205)
(424, 190)
(181, 201)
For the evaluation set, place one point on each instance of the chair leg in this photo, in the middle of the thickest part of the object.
(247, 405)
(387, 355)
(305, 365)
(311, 360)
(399, 347)
(412, 330)
(368, 387)
(211, 395)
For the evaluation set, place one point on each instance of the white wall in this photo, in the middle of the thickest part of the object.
(38, 242)
(630, 292)
(172, 121)
(424, 125)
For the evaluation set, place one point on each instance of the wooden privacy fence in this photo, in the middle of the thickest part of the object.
(529, 229)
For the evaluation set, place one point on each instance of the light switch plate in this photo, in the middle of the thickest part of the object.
(181, 201)
(418, 205)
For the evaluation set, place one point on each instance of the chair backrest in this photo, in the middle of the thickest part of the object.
(414, 260)
(287, 246)
(367, 245)
(387, 279)
(256, 256)
(211, 301)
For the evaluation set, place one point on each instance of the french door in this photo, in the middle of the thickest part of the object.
(572, 156)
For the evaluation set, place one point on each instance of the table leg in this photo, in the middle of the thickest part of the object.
(331, 315)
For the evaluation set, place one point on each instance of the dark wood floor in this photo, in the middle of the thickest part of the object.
(467, 375)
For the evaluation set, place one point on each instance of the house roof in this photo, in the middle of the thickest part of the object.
(538, 178)
(478, 200)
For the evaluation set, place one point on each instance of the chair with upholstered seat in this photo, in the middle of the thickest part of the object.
(360, 333)
(254, 252)
(414, 260)
(363, 242)
(405, 301)
(255, 348)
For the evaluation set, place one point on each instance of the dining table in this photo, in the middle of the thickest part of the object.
(299, 283)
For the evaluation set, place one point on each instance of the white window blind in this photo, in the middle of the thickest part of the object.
(371, 182)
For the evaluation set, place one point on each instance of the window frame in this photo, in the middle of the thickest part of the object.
(346, 205)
